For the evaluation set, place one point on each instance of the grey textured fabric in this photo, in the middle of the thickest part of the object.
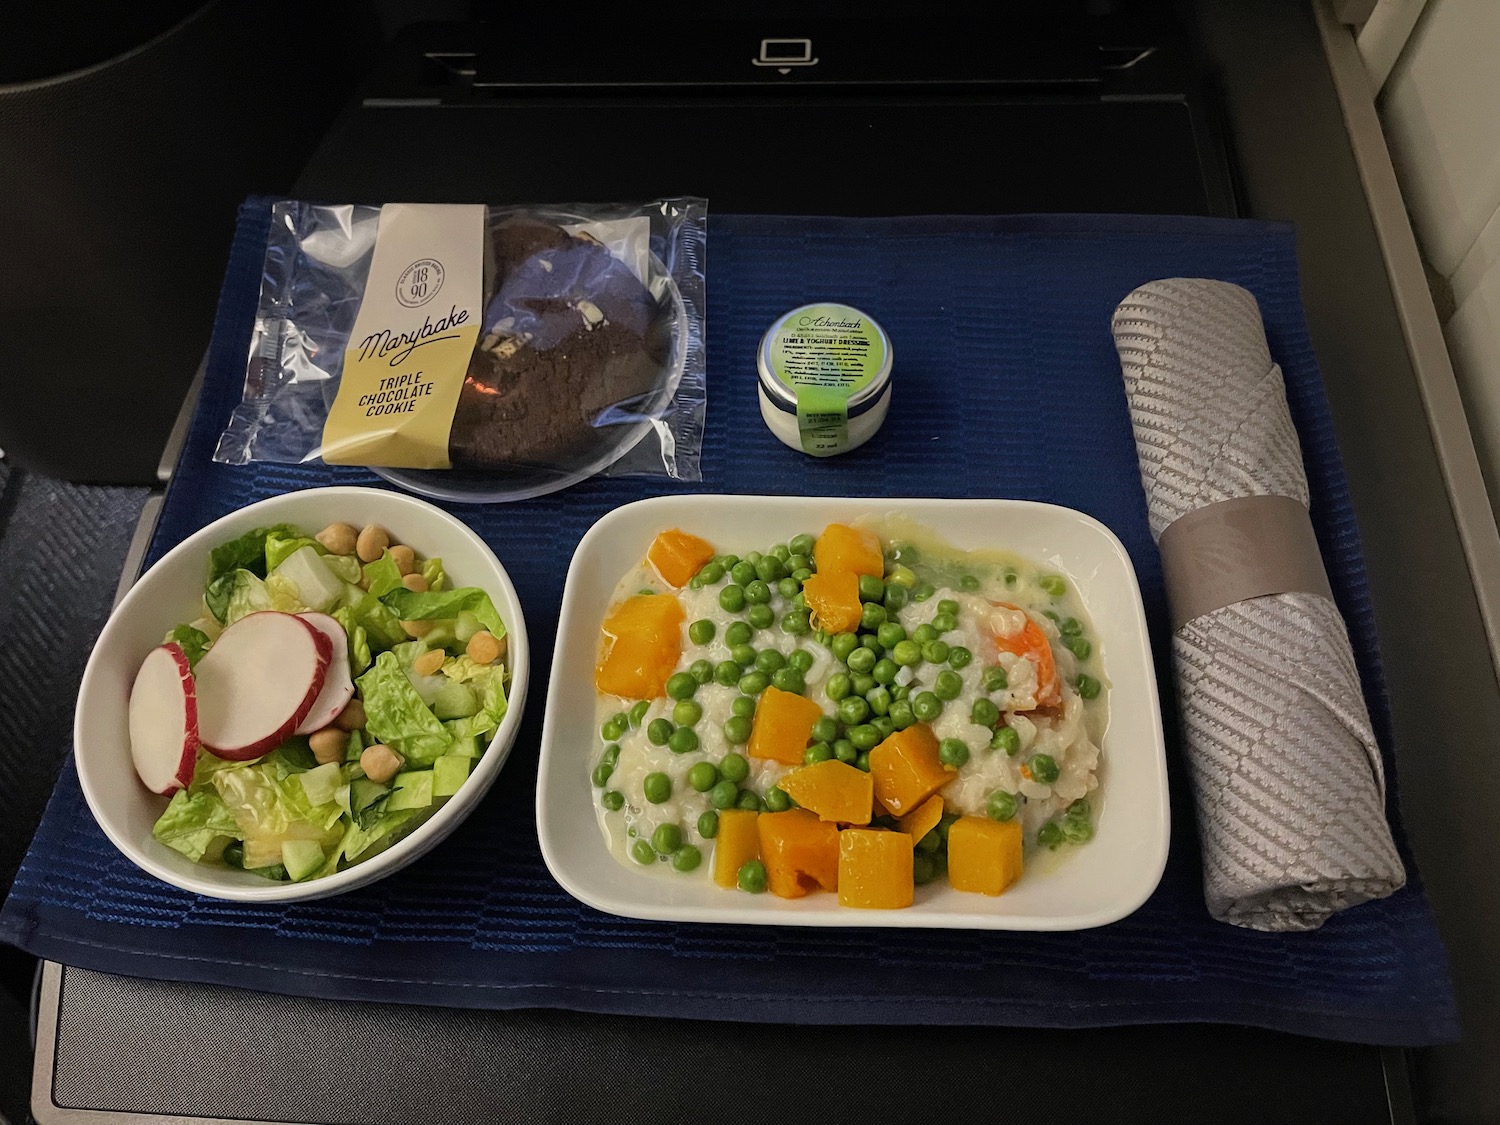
(1286, 773)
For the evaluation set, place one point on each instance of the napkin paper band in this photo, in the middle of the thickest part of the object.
(1238, 549)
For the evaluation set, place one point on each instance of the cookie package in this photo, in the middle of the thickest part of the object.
(479, 352)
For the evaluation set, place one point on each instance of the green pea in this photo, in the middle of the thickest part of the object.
(883, 726)
(743, 655)
(1053, 584)
(923, 869)
(899, 574)
(657, 787)
(687, 712)
(895, 597)
(797, 560)
(749, 801)
(879, 699)
(769, 660)
(945, 622)
(837, 686)
(1071, 627)
(817, 752)
(935, 652)
(777, 800)
(885, 670)
(712, 571)
(948, 685)
(761, 616)
(995, 678)
(923, 592)
(742, 572)
(702, 631)
(843, 644)
(953, 752)
(611, 754)
(732, 598)
(901, 714)
(686, 858)
(757, 592)
(614, 727)
(891, 634)
(1087, 686)
(789, 679)
(1043, 768)
(871, 589)
(1079, 646)
(727, 561)
(753, 683)
(948, 605)
(724, 794)
(853, 710)
(946, 822)
(771, 569)
(872, 642)
(613, 800)
(968, 582)
(797, 622)
(802, 574)
(926, 706)
(1052, 616)
(1049, 835)
(659, 731)
(703, 776)
(861, 683)
(727, 672)
(930, 842)
(800, 659)
(708, 825)
(601, 774)
(1079, 808)
(1077, 830)
(1001, 805)
(862, 762)
(924, 633)
(680, 685)
(734, 767)
(788, 587)
(638, 712)
(1007, 739)
(738, 633)
(864, 736)
(984, 712)
(666, 839)
(901, 691)
(908, 654)
(861, 660)
(643, 853)
(826, 729)
(872, 616)
(802, 544)
(737, 730)
(959, 657)
(799, 603)
(752, 877)
(744, 706)
(844, 751)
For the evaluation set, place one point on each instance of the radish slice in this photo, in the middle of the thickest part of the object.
(338, 684)
(258, 682)
(164, 720)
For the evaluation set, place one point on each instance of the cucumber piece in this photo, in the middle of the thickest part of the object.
(454, 701)
(448, 773)
(413, 791)
(301, 858)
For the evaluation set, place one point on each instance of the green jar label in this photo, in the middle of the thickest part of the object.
(825, 354)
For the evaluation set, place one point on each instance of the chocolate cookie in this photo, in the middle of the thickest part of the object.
(570, 340)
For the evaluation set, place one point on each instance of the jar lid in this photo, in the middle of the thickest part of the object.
(825, 344)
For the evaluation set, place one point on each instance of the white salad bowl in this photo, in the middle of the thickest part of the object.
(1079, 887)
(170, 593)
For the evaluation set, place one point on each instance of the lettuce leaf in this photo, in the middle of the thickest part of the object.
(409, 605)
(359, 640)
(396, 715)
(193, 642)
(269, 811)
(196, 824)
(248, 552)
(432, 570)
(281, 546)
(240, 592)
(492, 708)
(382, 626)
(383, 575)
(345, 566)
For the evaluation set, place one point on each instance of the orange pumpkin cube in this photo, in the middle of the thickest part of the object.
(736, 845)
(677, 556)
(782, 726)
(923, 819)
(983, 855)
(845, 548)
(833, 597)
(641, 644)
(801, 852)
(875, 869)
(834, 790)
(906, 769)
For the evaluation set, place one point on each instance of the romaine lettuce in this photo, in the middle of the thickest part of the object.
(281, 546)
(432, 570)
(239, 592)
(248, 552)
(396, 715)
(196, 824)
(269, 811)
(193, 642)
(409, 605)
(492, 708)
(359, 640)
(383, 575)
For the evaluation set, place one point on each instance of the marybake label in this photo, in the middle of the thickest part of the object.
(412, 340)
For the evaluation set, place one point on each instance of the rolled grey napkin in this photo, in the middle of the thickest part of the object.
(1286, 773)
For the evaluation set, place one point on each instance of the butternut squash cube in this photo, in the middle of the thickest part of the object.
(845, 548)
(641, 644)
(875, 869)
(983, 855)
(677, 556)
(834, 791)
(801, 852)
(736, 845)
(906, 769)
(782, 726)
(833, 597)
(923, 819)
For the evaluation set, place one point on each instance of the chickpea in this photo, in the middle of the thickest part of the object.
(416, 629)
(339, 538)
(352, 717)
(329, 744)
(380, 763)
(372, 542)
(429, 662)
(404, 558)
(485, 648)
(415, 583)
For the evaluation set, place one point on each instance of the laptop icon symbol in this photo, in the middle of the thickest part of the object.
(784, 54)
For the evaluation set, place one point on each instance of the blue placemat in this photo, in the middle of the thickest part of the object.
(1006, 384)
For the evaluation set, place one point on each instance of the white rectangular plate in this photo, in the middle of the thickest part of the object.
(1097, 883)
